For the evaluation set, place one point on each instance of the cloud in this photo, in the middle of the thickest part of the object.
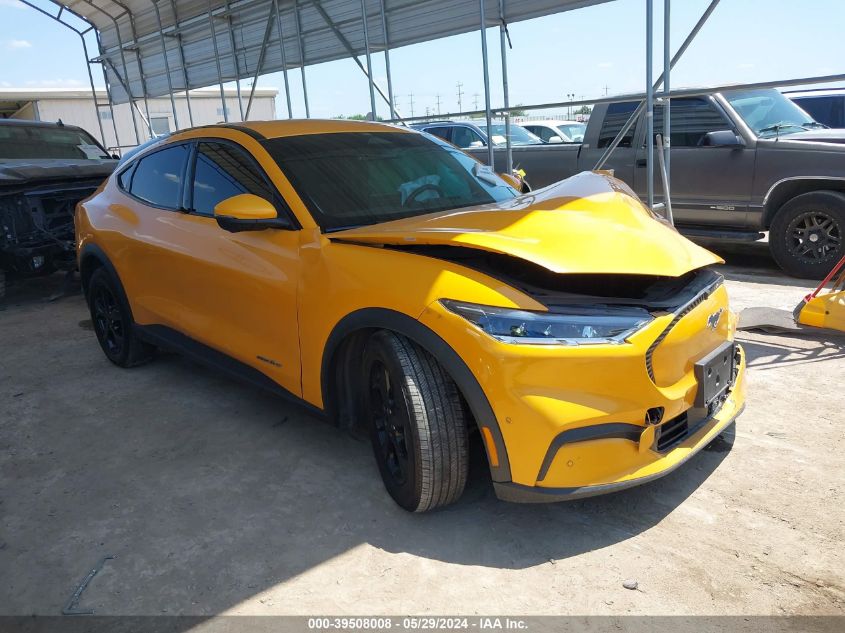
(15, 44)
(12, 4)
(745, 65)
(605, 64)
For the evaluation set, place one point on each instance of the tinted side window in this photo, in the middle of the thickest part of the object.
(616, 117)
(827, 110)
(691, 120)
(223, 171)
(442, 132)
(125, 178)
(465, 137)
(158, 177)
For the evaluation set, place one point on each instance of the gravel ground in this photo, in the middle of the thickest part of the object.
(215, 498)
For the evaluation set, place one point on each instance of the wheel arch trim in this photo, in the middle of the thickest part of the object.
(381, 318)
(769, 212)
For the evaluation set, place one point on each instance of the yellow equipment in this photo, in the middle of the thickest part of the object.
(825, 310)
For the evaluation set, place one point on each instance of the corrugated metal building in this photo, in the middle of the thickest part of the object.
(76, 107)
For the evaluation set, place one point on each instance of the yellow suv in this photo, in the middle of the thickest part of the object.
(392, 283)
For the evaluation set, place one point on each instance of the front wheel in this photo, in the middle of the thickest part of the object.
(417, 423)
(806, 236)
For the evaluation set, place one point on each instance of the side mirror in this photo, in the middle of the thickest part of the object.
(555, 139)
(722, 138)
(475, 144)
(247, 212)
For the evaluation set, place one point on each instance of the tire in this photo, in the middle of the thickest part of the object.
(818, 216)
(417, 423)
(113, 324)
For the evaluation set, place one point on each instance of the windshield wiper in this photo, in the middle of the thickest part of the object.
(777, 127)
(816, 125)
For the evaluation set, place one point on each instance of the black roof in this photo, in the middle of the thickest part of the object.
(31, 123)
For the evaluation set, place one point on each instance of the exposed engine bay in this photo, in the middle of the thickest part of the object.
(36, 226)
(554, 290)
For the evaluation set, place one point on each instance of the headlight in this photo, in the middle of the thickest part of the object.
(577, 325)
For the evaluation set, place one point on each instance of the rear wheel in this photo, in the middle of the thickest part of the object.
(113, 322)
(417, 423)
(806, 236)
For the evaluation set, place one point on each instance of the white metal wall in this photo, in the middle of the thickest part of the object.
(206, 110)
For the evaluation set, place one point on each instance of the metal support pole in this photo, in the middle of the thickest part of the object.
(184, 66)
(217, 60)
(166, 64)
(667, 204)
(284, 56)
(235, 62)
(649, 102)
(369, 60)
(125, 85)
(352, 53)
(301, 57)
(488, 114)
(261, 54)
(667, 108)
(94, 92)
(636, 113)
(504, 39)
(132, 103)
(391, 102)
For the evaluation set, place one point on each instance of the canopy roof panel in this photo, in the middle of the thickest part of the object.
(141, 39)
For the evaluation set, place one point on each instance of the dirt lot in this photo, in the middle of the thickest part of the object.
(216, 498)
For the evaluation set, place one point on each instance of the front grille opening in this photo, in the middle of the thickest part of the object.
(672, 433)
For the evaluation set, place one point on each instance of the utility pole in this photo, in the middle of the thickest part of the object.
(411, 98)
(605, 90)
(475, 101)
(438, 103)
(460, 96)
(427, 112)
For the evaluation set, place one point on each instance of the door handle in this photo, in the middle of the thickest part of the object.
(641, 162)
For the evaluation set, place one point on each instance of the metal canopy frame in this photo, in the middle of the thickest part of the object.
(263, 36)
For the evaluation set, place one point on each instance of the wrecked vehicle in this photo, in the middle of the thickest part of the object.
(45, 170)
(396, 285)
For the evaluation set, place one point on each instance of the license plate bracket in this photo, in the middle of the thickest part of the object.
(714, 373)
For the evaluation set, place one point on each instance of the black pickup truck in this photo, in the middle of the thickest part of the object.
(45, 169)
(742, 162)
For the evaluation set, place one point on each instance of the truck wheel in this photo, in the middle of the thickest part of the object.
(113, 322)
(417, 423)
(806, 236)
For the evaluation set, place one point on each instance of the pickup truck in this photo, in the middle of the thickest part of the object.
(45, 169)
(742, 162)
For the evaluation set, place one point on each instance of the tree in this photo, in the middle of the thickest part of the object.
(518, 112)
(583, 110)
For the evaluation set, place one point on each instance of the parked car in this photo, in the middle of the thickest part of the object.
(45, 169)
(742, 162)
(824, 105)
(557, 131)
(473, 134)
(388, 280)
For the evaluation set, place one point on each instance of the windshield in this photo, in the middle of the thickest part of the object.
(42, 142)
(351, 179)
(769, 114)
(519, 135)
(575, 131)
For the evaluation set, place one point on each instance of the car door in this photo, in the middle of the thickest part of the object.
(232, 292)
(613, 117)
(709, 185)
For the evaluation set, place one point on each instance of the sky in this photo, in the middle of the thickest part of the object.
(588, 52)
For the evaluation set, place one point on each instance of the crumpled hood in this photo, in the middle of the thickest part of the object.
(16, 172)
(589, 223)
